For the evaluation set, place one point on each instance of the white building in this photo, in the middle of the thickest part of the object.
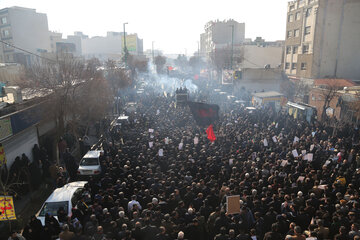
(111, 46)
(221, 33)
(26, 29)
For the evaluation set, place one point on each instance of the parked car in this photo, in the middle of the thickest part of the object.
(90, 164)
(66, 197)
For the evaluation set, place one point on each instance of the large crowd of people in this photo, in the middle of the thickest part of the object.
(295, 179)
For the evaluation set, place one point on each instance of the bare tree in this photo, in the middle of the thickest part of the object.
(117, 77)
(62, 84)
(181, 62)
(328, 92)
(196, 63)
(159, 62)
(222, 58)
(137, 64)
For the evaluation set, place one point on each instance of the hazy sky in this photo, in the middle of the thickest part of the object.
(173, 25)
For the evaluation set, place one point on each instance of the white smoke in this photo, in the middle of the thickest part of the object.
(163, 82)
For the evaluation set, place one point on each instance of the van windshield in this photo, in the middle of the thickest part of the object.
(53, 207)
(89, 162)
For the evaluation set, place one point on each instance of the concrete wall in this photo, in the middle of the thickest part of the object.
(348, 65)
(337, 42)
(260, 79)
(222, 32)
(255, 57)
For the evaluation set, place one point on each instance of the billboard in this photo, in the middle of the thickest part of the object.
(227, 76)
(7, 209)
(131, 43)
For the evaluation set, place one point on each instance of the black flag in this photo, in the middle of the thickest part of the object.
(204, 114)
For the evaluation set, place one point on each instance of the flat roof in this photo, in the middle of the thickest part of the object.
(295, 105)
(267, 94)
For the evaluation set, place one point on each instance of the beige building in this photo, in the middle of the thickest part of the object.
(26, 29)
(54, 38)
(322, 39)
(219, 33)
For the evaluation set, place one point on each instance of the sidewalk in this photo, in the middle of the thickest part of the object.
(25, 207)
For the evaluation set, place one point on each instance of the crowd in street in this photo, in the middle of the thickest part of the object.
(295, 180)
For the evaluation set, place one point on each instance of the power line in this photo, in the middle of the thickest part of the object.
(31, 53)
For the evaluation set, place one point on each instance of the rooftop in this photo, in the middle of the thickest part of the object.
(338, 82)
(268, 94)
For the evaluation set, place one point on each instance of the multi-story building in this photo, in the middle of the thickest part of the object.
(221, 33)
(111, 46)
(322, 39)
(26, 29)
(54, 38)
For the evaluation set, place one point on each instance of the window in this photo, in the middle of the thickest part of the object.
(287, 65)
(310, 1)
(5, 33)
(296, 32)
(288, 50)
(293, 66)
(3, 20)
(305, 49)
(308, 12)
(297, 16)
(295, 50)
(301, 2)
(303, 66)
(289, 33)
(291, 18)
(313, 97)
(307, 30)
(292, 7)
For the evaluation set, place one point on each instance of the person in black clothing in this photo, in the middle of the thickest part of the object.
(222, 235)
(162, 235)
(273, 234)
(149, 230)
(52, 224)
(36, 227)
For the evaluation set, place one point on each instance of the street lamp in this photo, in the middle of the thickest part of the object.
(232, 45)
(125, 49)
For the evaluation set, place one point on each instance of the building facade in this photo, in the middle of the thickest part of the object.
(219, 33)
(24, 28)
(322, 39)
(54, 38)
(111, 46)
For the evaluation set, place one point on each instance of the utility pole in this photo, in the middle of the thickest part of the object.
(153, 51)
(125, 49)
(198, 56)
(232, 45)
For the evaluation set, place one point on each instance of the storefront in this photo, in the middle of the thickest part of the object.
(301, 111)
